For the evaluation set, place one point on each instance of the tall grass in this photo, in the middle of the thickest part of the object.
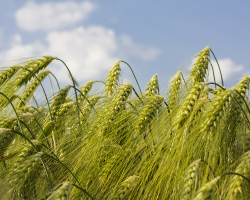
(188, 141)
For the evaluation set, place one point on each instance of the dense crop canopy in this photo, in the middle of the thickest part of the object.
(105, 140)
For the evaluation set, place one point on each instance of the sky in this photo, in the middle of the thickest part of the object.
(152, 36)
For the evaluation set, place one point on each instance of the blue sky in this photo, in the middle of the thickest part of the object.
(152, 36)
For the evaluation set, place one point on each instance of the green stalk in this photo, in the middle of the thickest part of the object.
(167, 106)
(56, 80)
(218, 67)
(137, 94)
(74, 88)
(47, 174)
(83, 190)
(19, 123)
(25, 138)
(213, 73)
(85, 98)
(67, 170)
(233, 173)
(133, 75)
(52, 91)
(243, 100)
(32, 135)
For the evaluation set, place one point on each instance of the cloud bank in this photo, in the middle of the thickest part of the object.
(50, 16)
(229, 69)
(89, 52)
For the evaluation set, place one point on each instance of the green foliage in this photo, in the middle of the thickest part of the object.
(111, 143)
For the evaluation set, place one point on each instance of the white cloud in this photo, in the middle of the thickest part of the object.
(89, 52)
(139, 51)
(51, 16)
(229, 69)
(16, 39)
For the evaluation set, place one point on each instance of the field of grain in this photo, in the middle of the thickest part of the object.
(111, 140)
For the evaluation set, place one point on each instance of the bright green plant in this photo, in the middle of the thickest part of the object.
(104, 141)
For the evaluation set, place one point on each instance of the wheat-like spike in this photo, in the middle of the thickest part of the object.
(219, 105)
(235, 188)
(113, 78)
(191, 180)
(206, 192)
(85, 90)
(200, 67)
(62, 193)
(188, 104)
(148, 112)
(68, 100)
(63, 111)
(22, 172)
(31, 88)
(205, 92)
(239, 97)
(65, 108)
(174, 90)
(89, 105)
(9, 123)
(26, 151)
(34, 66)
(241, 89)
(23, 76)
(120, 100)
(152, 86)
(44, 62)
(26, 109)
(126, 187)
(59, 100)
(6, 137)
(243, 85)
(8, 73)
(218, 90)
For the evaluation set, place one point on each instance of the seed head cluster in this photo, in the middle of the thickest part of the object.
(190, 140)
